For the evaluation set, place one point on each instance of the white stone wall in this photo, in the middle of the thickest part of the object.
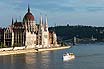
(30, 39)
(54, 39)
(45, 39)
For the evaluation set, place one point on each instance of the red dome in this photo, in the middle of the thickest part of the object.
(29, 17)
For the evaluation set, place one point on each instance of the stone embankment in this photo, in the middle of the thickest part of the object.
(10, 52)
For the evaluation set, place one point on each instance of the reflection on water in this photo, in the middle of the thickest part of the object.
(29, 58)
(88, 56)
(12, 62)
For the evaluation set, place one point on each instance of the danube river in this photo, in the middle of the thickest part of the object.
(88, 56)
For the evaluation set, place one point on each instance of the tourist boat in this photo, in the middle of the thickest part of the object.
(68, 56)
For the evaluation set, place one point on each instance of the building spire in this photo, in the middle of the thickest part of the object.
(16, 21)
(46, 24)
(46, 21)
(41, 20)
(12, 21)
(28, 8)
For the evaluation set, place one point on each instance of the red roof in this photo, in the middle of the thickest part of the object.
(28, 16)
(18, 24)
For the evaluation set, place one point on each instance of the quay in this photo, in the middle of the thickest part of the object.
(11, 52)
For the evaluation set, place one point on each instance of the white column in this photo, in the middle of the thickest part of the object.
(4, 38)
(12, 38)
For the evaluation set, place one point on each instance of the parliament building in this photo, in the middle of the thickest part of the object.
(28, 33)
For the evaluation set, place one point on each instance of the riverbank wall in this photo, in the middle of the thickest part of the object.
(10, 52)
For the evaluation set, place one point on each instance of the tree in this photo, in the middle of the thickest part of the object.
(83, 32)
(1, 45)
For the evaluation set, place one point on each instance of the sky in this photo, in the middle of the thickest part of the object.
(59, 12)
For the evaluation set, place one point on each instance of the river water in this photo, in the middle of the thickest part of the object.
(88, 56)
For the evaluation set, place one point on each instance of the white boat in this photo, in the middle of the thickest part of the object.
(68, 56)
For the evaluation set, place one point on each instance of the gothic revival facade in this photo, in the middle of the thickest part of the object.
(28, 33)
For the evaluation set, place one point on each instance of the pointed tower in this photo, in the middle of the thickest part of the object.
(40, 32)
(41, 21)
(12, 21)
(41, 24)
(46, 24)
(12, 33)
(28, 8)
(28, 16)
(46, 34)
(16, 21)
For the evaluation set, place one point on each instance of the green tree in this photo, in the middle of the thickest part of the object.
(1, 45)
